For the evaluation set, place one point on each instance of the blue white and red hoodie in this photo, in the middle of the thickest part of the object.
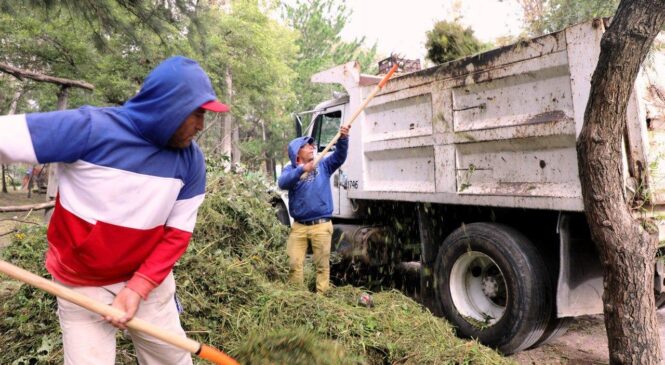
(127, 203)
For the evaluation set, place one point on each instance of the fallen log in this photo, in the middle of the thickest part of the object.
(25, 208)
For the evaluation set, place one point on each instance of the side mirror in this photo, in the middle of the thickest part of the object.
(298, 125)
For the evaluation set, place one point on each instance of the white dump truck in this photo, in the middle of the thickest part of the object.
(469, 170)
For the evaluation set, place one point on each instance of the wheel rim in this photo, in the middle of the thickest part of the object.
(478, 289)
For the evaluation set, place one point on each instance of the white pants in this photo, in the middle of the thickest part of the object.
(88, 339)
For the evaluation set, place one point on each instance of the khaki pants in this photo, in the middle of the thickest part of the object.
(88, 339)
(296, 247)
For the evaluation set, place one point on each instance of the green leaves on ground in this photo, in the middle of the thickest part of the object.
(232, 284)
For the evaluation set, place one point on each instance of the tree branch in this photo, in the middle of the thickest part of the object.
(19, 221)
(25, 208)
(21, 74)
(8, 233)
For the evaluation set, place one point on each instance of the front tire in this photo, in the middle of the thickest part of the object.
(493, 285)
(282, 214)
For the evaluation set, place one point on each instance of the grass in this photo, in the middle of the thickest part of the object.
(9, 221)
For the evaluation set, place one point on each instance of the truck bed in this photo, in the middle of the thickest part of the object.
(495, 129)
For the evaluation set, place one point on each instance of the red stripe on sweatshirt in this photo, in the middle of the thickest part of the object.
(85, 254)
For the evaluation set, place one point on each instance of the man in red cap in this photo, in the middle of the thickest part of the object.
(131, 179)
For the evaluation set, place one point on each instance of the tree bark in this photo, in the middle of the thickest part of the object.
(269, 161)
(227, 124)
(627, 250)
(25, 74)
(235, 143)
(25, 208)
(63, 96)
(12, 110)
(4, 180)
(31, 181)
(14, 104)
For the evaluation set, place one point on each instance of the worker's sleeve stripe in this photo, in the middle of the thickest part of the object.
(122, 198)
(60, 136)
(15, 142)
(183, 215)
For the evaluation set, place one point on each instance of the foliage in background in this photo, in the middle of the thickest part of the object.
(106, 17)
(547, 16)
(60, 42)
(258, 52)
(448, 41)
(231, 283)
(319, 24)
(111, 45)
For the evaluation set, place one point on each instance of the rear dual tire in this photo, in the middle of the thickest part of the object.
(493, 285)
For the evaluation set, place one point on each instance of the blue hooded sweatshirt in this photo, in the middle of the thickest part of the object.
(127, 203)
(311, 199)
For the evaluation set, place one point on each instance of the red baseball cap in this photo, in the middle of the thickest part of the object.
(215, 106)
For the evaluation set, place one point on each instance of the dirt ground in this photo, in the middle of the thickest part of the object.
(584, 343)
(9, 220)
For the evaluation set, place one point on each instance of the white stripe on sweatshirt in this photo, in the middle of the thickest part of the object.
(15, 141)
(183, 215)
(98, 193)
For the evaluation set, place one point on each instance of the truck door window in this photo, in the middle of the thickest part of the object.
(326, 127)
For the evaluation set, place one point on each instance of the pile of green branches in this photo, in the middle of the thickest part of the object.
(232, 284)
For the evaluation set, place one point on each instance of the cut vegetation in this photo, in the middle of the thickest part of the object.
(231, 283)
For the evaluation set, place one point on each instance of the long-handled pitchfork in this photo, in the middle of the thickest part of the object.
(355, 114)
(201, 350)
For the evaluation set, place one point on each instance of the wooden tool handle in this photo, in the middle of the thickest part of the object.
(355, 114)
(106, 310)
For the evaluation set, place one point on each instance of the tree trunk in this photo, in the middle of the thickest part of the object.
(4, 180)
(269, 162)
(14, 104)
(627, 251)
(227, 124)
(11, 179)
(235, 143)
(63, 95)
(31, 181)
(12, 110)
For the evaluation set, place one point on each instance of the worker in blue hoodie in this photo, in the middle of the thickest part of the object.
(131, 179)
(311, 206)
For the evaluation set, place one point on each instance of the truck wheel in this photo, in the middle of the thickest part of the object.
(494, 286)
(659, 297)
(556, 327)
(660, 300)
(282, 214)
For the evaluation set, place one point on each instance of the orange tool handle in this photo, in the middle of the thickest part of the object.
(215, 356)
(390, 73)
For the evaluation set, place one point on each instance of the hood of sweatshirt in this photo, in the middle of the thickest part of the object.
(170, 93)
(295, 146)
